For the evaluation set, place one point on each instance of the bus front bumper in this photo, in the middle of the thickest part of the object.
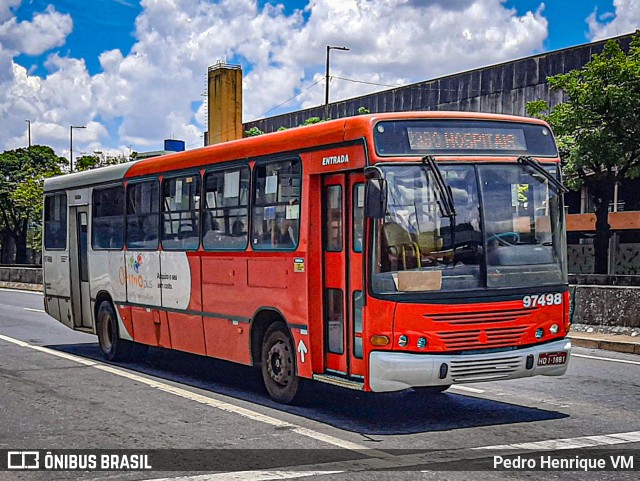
(394, 371)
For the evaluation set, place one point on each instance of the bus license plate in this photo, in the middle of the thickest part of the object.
(552, 358)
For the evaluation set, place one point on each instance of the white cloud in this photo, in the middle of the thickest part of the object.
(626, 19)
(44, 32)
(154, 92)
(6, 7)
(399, 41)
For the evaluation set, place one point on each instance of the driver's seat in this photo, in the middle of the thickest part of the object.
(397, 239)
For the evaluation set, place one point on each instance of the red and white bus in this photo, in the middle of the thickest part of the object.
(378, 252)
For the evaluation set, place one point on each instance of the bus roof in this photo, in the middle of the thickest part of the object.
(102, 175)
(298, 138)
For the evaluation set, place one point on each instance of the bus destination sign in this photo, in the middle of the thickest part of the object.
(465, 138)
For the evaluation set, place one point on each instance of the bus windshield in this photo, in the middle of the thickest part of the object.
(506, 231)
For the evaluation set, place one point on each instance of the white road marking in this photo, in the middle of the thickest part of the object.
(623, 361)
(34, 310)
(206, 400)
(250, 476)
(467, 389)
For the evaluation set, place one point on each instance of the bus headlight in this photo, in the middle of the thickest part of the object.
(403, 341)
(554, 329)
(539, 333)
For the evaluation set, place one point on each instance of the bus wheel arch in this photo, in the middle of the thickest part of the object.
(113, 347)
(273, 349)
(262, 319)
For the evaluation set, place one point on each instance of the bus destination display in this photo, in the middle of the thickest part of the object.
(465, 138)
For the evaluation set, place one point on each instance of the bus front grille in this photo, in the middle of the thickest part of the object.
(485, 370)
(482, 338)
(475, 317)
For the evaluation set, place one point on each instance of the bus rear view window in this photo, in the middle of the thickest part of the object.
(55, 222)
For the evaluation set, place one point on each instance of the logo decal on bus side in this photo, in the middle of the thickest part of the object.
(136, 263)
(132, 279)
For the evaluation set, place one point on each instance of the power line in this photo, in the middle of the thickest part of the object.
(428, 87)
(367, 83)
(287, 101)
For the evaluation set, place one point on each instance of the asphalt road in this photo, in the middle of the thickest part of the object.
(56, 392)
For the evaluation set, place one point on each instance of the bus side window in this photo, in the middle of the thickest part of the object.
(225, 213)
(180, 206)
(55, 222)
(107, 230)
(276, 209)
(142, 215)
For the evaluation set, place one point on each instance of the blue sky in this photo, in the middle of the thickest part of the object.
(133, 72)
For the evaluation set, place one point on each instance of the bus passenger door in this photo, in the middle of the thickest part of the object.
(79, 265)
(342, 241)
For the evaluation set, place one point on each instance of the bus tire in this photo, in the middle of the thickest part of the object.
(113, 348)
(278, 364)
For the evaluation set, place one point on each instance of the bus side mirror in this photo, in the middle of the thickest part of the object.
(376, 199)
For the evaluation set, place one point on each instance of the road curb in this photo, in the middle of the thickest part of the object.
(626, 346)
(23, 286)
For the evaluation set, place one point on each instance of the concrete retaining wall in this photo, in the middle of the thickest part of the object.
(600, 300)
(606, 305)
(21, 277)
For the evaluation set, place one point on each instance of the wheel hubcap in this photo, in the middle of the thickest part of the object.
(279, 363)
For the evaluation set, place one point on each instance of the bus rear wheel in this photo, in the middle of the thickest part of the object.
(112, 346)
(278, 363)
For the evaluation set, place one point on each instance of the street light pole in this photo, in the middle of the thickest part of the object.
(71, 127)
(29, 130)
(326, 76)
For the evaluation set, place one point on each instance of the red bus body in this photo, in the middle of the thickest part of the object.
(321, 294)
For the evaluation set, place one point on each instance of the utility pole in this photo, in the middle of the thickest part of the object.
(327, 79)
(71, 127)
(29, 131)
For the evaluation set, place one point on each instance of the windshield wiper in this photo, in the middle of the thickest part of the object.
(446, 197)
(535, 165)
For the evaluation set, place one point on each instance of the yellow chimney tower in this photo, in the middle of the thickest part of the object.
(225, 103)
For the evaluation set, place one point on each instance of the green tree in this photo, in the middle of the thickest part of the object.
(252, 132)
(598, 129)
(23, 172)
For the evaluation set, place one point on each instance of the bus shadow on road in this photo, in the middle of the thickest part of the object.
(405, 412)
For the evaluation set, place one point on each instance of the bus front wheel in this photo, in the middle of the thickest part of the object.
(278, 363)
(112, 346)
